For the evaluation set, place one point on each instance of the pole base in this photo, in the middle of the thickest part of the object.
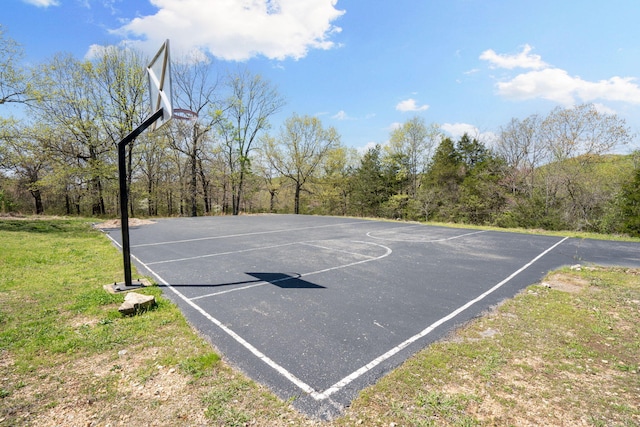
(120, 287)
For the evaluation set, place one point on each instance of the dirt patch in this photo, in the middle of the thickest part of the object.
(115, 223)
(566, 283)
(143, 394)
(19, 216)
(12, 215)
(83, 321)
(84, 394)
(6, 360)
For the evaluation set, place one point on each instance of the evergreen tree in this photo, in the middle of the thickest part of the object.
(631, 206)
(482, 197)
(443, 179)
(471, 152)
(369, 184)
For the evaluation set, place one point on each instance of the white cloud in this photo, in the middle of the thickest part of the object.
(521, 60)
(367, 147)
(341, 115)
(410, 105)
(238, 29)
(557, 85)
(98, 51)
(457, 130)
(395, 125)
(553, 84)
(95, 50)
(42, 3)
(603, 109)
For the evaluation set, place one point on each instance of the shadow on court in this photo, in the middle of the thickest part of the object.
(388, 290)
(281, 280)
(284, 281)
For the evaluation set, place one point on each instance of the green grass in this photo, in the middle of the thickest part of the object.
(200, 365)
(553, 356)
(557, 357)
(52, 271)
(563, 233)
(63, 341)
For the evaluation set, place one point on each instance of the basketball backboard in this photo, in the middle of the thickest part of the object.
(159, 73)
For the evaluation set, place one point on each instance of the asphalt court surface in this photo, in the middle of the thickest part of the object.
(317, 308)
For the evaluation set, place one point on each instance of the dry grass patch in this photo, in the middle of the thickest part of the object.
(561, 353)
(566, 282)
(68, 358)
(115, 223)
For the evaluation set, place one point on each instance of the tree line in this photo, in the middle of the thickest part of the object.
(553, 172)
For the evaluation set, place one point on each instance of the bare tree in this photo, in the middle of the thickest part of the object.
(21, 153)
(119, 91)
(575, 139)
(196, 85)
(15, 86)
(269, 174)
(69, 105)
(304, 144)
(582, 131)
(152, 166)
(251, 102)
(412, 145)
(520, 146)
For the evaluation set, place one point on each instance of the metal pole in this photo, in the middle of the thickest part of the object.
(124, 193)
(124, 213)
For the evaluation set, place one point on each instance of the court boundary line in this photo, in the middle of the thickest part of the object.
(255, 285)
(220, 254)
(375, 362)
(445, 239)
(306, 243)
(326, 394)
(171, 242)
(310, 243)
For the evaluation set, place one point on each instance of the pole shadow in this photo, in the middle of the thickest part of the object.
(285, 281)
(281, 280)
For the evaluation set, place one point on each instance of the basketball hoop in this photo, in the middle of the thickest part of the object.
(183, 114)
(159, 81)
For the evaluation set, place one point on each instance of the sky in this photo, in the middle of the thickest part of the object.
(365, 67)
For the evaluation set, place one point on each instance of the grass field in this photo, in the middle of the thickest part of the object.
(565, 352)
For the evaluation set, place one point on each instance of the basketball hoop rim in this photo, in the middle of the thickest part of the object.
(184, 114)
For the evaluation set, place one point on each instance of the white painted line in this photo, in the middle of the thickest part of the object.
(282, 371)
(260, 283)
(218, 254)
(227, 291)
(375, 362)
(253, 249)
(114, 241)
(456, 237)
(401, 227)
(386, 254)
(363, 370)
(335, 250)
(287, 230)
(444, 239)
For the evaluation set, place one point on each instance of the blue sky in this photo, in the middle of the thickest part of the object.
(366, 66)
